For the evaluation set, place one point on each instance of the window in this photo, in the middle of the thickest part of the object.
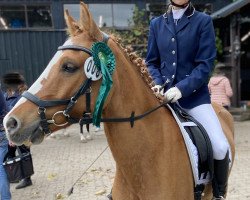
(123, 14)
(108, 15)
(25, 17)
(39, 16)
(12, 17)
(73, 9)
(102, 14)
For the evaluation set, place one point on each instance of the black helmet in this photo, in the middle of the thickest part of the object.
(180, 6)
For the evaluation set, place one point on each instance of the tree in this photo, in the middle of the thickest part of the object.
(137, 36)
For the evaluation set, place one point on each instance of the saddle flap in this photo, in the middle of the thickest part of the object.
(199, 138)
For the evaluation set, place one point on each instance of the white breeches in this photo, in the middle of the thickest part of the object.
(206, 115)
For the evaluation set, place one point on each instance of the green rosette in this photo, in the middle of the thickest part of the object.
(105, 61)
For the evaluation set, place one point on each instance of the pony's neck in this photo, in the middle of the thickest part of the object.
(145, 154)
(130, 92)
(132, 148)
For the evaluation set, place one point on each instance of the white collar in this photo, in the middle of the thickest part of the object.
(177, 14)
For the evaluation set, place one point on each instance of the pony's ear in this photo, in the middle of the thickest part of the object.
(88, 24)
(73, 27)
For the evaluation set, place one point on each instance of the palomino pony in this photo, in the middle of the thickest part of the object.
(150, 154)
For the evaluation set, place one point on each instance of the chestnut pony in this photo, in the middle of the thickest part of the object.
(151, 157)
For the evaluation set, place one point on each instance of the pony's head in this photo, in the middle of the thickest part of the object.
(59, 94)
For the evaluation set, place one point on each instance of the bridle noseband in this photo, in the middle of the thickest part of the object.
(43, 104)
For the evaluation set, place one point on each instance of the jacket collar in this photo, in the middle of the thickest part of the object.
(183, 22)
(189, 12)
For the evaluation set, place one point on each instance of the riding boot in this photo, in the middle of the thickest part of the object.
(219, 183)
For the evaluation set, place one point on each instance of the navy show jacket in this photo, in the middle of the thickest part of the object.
(183, 55)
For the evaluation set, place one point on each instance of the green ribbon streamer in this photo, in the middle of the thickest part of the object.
(105, 61)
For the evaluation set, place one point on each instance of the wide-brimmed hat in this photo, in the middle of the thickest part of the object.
(13, 78)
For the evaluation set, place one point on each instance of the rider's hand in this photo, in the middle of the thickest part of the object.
(157, 91)
(173, 95)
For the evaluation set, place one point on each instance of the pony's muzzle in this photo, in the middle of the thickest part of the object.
(12, 125)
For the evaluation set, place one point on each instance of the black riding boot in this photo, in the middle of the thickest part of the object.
(221, 168)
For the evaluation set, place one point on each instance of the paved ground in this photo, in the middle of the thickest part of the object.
(60, 162)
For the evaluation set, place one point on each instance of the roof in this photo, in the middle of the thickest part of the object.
(229, 9)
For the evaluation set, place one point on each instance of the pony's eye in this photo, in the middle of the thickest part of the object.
(69, 67)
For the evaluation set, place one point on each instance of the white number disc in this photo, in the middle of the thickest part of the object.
(91, 70)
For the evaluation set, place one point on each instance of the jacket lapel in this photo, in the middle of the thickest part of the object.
(169, 22)
(184, 21)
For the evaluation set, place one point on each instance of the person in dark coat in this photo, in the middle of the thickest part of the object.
(180, 56)
(4, 182)
(15, 86)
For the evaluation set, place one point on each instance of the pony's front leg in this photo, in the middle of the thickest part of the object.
(120, 190)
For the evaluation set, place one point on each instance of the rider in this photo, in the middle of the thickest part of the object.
(181, 53)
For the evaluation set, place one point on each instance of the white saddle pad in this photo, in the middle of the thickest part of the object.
(192, 151)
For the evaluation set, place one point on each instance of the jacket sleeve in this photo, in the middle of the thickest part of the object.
(229, 91)
(204, 60)
(153, 56)
(3, 108)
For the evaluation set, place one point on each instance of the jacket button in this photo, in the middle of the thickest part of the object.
(174, 64)
(173, 52)
(173, 39)
(173, 76)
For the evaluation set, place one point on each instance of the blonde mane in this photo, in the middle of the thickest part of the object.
(138, 62)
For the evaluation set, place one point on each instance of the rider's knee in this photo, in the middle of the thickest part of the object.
(220, 150)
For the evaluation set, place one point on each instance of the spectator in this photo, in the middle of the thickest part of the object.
(4, 182)
(220, 88)
(15, 86)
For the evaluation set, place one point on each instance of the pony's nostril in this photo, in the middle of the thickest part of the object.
(11, 124)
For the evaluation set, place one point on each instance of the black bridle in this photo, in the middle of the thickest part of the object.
(85, 88)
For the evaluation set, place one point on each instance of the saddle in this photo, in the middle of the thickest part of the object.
(199, 138)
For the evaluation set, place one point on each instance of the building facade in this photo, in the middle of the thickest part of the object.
(233, 21)
(31, 30)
